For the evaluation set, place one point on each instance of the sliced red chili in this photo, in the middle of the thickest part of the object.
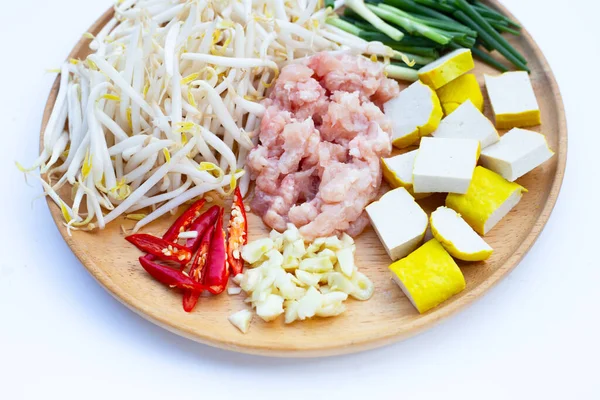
(237, 230)
(216, 273)
(181, 223)
(190, 297)
(184, 221)
(170, 276)
(200, 225)
(161, 248)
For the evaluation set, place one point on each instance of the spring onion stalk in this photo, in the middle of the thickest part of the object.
(402, 73)
(415, 41)
(163, 108)
(406, 56)
(410, 25)
(490, 40)
(353, 18)
(484, 25)
(436, 5)
(503, 27)
(489, 12)
(488, 59)
(444, 25)
(417, 59)
(344, 25)
(414, 7)
(431, 22)
(366, 12)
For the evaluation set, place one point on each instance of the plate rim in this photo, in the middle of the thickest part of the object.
(427, 321)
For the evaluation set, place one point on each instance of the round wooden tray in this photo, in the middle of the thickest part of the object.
(388, 316)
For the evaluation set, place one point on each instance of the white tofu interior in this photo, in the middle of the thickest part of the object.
(445, 165)
(518, 152)
(467, 122)
(409, 110)
(403, 165)
(502, 211)
(511, 93)
(453, 228)
(399, 222)
(442, 60)
(404, 289)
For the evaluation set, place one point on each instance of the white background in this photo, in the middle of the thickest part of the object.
(536, 335)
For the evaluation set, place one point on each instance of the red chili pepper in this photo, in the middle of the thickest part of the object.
(184, 221)
(190, 297)
(170, 276)
(181, 223)
(238, 233)
(161, 248)
(216, 272)
(200, 225)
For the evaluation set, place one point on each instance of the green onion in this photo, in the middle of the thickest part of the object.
(412, 6)
(504, 28)
(407, 40)
(399, 72)
(410, 25)
(329, 3)
(361, 24)
(433, 23)
(447, 26)
(421, 51)
(484, 26)
(413, 57)
(344, 25)
(366, 12)
(485, 10)
(491, 41)
(440, 6)
(488, 59)
(464, 41)
(415, 67)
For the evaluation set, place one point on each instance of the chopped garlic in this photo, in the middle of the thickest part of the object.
(345, 259)
(188, 235)
(316, 264)
(337, 281)
(308, 278)
(364, 287)
(253, 251)
(233, 290)
(241, 320)
(270, 308)
(301, 280)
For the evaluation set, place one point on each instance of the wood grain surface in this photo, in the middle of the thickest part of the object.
(388, 316)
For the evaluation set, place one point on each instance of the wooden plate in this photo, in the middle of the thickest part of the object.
(388, 316)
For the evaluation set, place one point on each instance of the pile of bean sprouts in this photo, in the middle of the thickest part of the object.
(165, 108)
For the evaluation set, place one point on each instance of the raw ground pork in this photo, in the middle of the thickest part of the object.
(317, 164)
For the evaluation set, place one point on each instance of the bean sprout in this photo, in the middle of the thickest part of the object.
(164, 108)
